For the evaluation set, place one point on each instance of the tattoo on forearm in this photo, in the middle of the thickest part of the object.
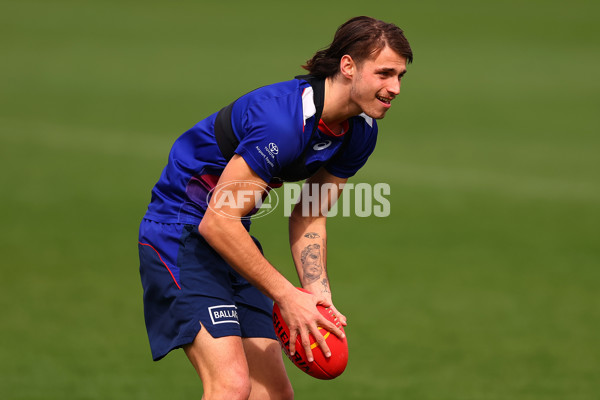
(312, 235)
(325, 284)
(311, 262)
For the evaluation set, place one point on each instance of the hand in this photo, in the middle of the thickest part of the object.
(303, 318)
(323, 293)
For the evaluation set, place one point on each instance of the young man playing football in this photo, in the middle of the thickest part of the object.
(207, 286)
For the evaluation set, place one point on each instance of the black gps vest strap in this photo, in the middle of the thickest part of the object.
(226, 139)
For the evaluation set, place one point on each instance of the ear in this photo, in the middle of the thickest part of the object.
(347, 66)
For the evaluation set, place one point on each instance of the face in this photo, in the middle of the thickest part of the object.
(376, 82)
(313, 262)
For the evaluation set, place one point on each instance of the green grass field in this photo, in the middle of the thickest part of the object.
(481, 285)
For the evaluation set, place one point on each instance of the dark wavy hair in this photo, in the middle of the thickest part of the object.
(359, 37)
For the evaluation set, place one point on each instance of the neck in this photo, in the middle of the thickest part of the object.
(338, 107)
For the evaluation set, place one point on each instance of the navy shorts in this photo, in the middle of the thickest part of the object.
(186, 283)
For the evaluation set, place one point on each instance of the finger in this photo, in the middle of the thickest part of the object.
(322, 343)
(331, 327)
(293, 337)
(305, 340)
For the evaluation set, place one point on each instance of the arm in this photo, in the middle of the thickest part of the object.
(308, 235)
(222, 228)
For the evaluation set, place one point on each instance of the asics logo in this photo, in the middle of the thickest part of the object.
(322, 145)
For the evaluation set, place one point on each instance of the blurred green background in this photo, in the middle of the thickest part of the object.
(482, 283)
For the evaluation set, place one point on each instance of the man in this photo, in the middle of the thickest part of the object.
(207, 286)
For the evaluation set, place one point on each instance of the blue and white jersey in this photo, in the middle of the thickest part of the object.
(274, 126)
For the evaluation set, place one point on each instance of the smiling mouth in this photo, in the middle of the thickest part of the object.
(384, 100)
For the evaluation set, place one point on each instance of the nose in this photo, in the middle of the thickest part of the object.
(394, 87)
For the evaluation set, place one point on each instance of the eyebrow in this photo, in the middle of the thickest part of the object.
(391, 70)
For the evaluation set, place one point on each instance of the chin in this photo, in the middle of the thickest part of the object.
(376, 115)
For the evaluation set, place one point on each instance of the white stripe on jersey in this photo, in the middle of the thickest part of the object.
(308, 104)
(367, 118)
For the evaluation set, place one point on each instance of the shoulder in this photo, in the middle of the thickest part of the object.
(269, 123)
(293, 98)
(280, 108)
(276, 94)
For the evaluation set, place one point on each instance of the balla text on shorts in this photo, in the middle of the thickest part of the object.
(223, 314)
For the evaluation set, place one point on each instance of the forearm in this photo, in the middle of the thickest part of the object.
(308, 232)
(308, 243)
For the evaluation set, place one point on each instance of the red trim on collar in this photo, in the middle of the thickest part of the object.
(325, 129)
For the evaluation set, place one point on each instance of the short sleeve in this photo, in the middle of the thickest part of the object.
(270, 134)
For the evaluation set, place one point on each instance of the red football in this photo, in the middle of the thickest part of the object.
(322, 367)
